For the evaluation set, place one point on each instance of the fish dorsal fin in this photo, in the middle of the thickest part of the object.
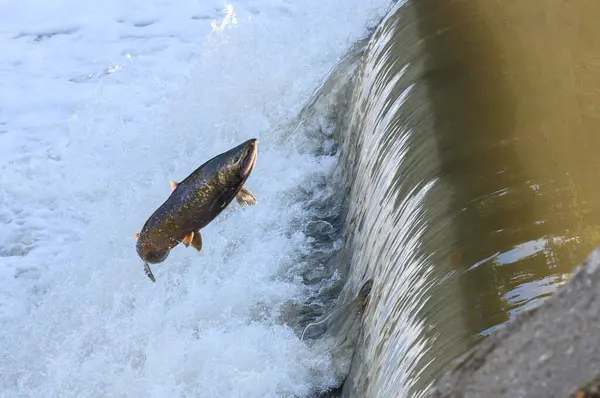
(173, 185)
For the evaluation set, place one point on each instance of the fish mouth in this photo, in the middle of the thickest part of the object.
(250, 158)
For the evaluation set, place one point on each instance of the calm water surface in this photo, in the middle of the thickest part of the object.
(473, 176)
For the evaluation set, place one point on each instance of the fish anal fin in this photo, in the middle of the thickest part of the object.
(136, 235)
(246, 198)
(197, 241)
(173, 185)
(188, 239)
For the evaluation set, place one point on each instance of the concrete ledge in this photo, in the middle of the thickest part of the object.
(550, 351)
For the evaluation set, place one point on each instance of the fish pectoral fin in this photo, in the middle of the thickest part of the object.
(173, 185)
(188, 239)
(245, 198)
(136, 235)
(197, 241)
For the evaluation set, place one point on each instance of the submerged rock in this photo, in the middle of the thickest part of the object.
(550, 351)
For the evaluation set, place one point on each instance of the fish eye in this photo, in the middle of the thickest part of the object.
(236, 159)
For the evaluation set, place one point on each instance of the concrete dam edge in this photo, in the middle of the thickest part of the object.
(552, 350)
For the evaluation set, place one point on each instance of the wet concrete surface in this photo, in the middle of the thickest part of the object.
(550, 351)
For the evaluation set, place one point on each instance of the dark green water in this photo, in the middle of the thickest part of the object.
(472, 176)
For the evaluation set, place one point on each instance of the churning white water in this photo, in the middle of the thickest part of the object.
(101, 104)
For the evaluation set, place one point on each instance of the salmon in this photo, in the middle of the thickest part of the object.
(195, 202)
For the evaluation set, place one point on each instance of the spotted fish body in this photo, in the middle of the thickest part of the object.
(195, 202)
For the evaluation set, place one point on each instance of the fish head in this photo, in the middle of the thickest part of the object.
(247, 158)
(238, 163)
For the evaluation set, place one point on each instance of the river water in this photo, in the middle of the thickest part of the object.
(470, 169)
(442, 160)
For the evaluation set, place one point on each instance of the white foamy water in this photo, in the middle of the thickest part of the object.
(101, 104)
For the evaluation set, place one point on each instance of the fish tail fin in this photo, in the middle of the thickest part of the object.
(149, 273)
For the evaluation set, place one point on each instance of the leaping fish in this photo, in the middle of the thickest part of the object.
(195, 202)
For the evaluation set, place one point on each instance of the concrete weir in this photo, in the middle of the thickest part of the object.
(471, 192)
(546, 56)
(550, 351)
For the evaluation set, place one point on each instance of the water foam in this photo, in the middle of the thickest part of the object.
(104, 104)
